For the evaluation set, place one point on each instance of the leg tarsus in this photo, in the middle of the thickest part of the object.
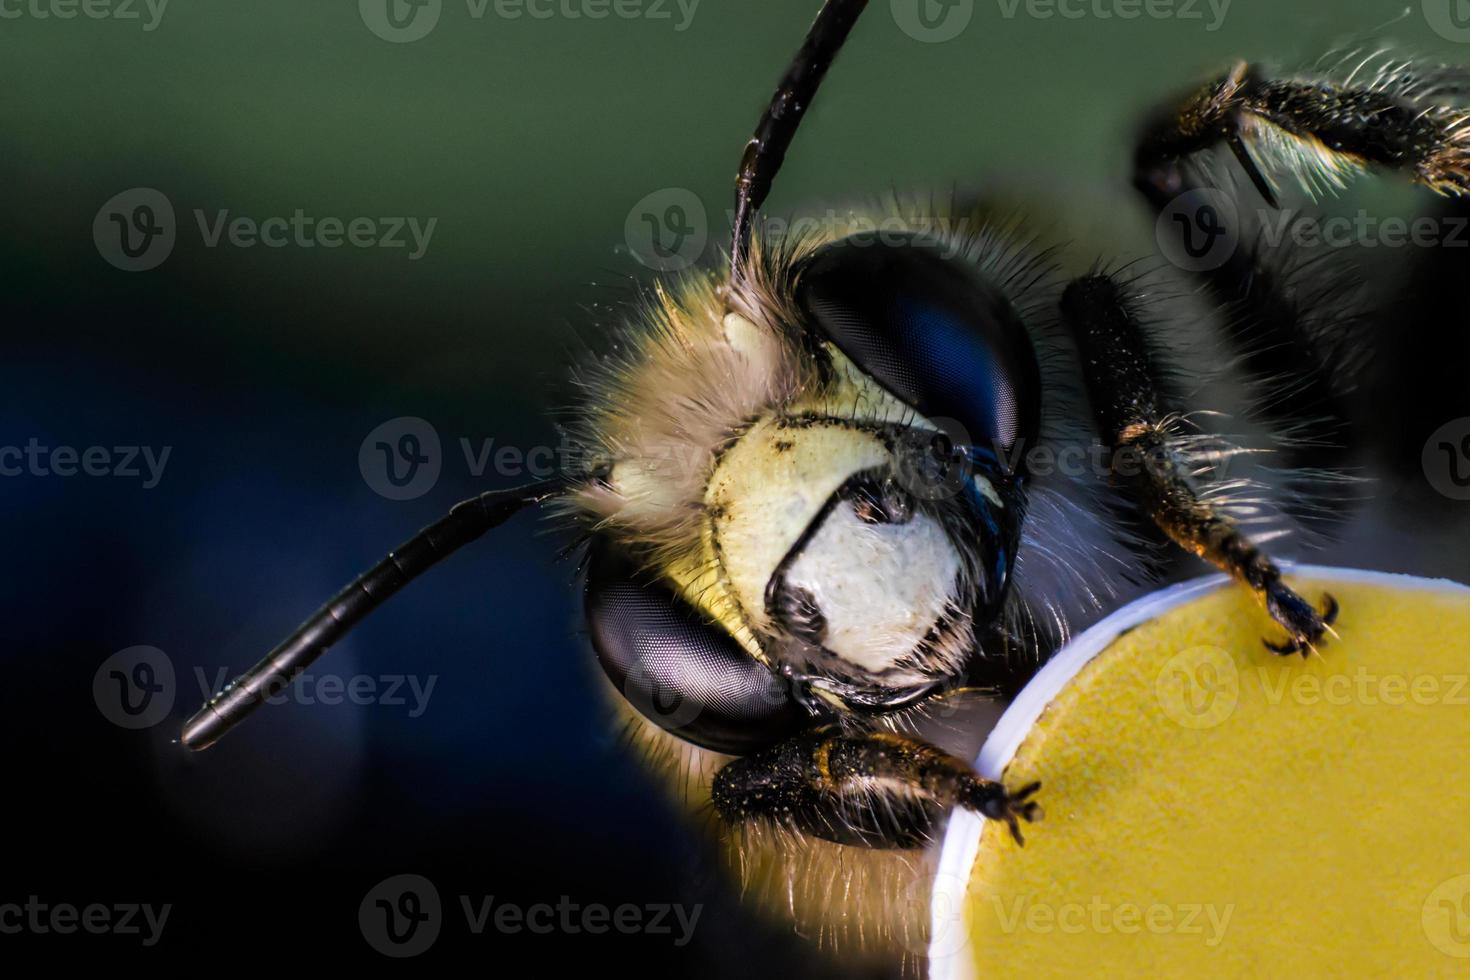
(829, 784)
(1131, 413)
(1321, 130)
(1011, 808)
(1304, 625)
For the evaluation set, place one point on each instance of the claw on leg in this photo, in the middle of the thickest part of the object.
(1012, 808)
(1305, 626)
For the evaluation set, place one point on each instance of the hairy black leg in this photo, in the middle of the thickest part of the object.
(1121, 375)
(872, 789)
(1319, 129)
(1294, 323)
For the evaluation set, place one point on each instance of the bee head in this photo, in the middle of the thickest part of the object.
(870, 533)
(859, 537)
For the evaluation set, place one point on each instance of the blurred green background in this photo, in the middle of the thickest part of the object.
(531, 139)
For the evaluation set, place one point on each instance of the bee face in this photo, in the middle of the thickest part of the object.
(853, 525)
(836, 565)
(867, 544)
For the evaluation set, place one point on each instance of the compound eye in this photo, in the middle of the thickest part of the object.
(930, 329)
(688, 677)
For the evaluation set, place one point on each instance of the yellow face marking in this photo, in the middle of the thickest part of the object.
(767, 490)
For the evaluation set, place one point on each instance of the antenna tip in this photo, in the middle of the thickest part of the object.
(202, 730)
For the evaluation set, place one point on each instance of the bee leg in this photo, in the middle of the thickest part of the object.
(1121, 377)
(1289, 320)
(1320, 129)
(870, 789)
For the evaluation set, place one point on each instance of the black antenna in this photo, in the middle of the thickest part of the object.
(465, 522)
(766, 150)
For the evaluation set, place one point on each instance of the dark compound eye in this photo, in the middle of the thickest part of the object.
(930, 329)
(683, 674)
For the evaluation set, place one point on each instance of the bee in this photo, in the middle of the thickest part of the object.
(811, 522)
